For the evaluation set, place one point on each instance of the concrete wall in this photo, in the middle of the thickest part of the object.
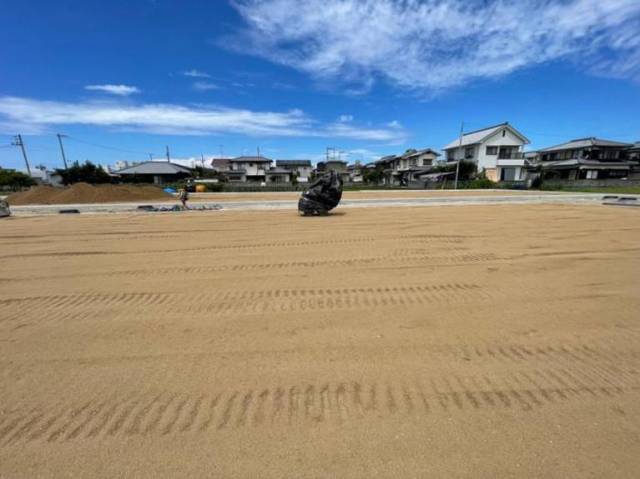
(590, 183)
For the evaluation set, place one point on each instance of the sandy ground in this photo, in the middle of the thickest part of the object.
(363, 194)
(482, 341)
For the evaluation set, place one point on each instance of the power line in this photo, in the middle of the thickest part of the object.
(146, 153)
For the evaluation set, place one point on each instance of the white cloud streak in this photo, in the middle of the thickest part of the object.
(432, 45)
(39, 115)
(119, 90)
(205, 86)
(195, 74)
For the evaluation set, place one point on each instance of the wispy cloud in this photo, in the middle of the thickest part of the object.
(205, 86)
(195, 74)
(433, 45)
(38, 115)
(120, 90)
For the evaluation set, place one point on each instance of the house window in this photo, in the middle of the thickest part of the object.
(504, 133)
(492, 150)
(413, 162)
(468, 152)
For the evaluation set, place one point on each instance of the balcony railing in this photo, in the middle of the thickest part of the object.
(510, 155)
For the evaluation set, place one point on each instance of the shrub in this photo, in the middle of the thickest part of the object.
(482, 183)
(536, 183)
(85, 173)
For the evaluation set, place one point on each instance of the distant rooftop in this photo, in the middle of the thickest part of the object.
(424, 151)
(251, 159)
(586, 143)
(477, 136)
(293, 162)
(154, 168)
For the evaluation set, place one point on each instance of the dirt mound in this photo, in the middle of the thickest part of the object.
(86, 193)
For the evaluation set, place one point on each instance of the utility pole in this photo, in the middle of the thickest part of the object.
(455, 185)
(202, 156)
(18, 142)
(333, 153)
(258, 152)
(168, 156)
(64, 158)
(150, 156)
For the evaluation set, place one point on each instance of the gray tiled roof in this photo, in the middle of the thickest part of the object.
(251, 159)
(154, 168)
(293, 162)
(474, 137)
(424, 151)
(586, 143)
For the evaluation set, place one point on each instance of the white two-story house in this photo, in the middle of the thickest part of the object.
(497, 150)
(249, 168)
(300, 168)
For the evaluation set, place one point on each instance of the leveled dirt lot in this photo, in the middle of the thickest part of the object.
(364, 194)
(461, 341)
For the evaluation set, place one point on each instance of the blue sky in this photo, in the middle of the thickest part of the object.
(124, 79)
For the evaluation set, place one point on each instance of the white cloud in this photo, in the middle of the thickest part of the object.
(205, 86)
(394, 124)
(345, 118)
(120, 90)
(195, 74)
(432, 45)
(182, 120)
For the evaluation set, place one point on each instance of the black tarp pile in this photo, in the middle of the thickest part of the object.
(323, 195)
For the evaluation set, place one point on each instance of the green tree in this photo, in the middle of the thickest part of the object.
(373, 176)
(15, 180)
(87, 173)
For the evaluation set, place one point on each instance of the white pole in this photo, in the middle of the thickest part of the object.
(455, 186)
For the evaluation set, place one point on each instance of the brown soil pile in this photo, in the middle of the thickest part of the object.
(86, 193)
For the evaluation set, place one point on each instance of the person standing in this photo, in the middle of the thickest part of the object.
(183, 196)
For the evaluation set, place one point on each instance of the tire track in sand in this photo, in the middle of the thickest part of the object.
(311, 405)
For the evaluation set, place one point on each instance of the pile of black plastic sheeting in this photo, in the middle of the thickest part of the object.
(322, 196)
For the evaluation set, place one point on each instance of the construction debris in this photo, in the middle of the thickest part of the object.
(4, 209)
(611, 200)
(322, 196)
(154, 209)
